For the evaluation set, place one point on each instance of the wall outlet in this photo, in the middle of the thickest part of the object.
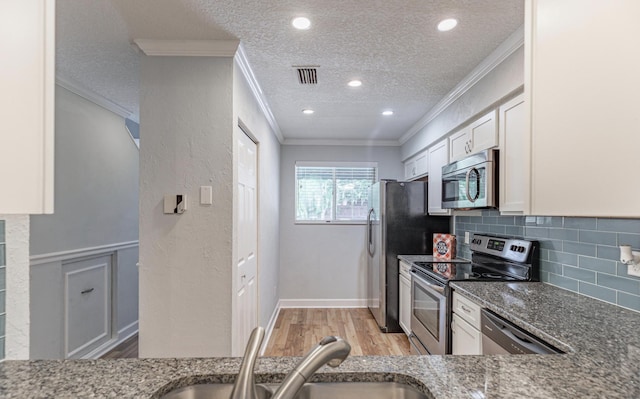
(633, 270)
(466, 237)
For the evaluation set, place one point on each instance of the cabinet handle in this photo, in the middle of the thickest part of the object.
(86, 291)
(466, 309)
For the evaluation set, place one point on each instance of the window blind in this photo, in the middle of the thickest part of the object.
(333, 193)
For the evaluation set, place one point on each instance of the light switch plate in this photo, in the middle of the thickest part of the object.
(466, 237)
(206, 195)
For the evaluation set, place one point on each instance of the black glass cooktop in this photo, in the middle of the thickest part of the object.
(467, 271)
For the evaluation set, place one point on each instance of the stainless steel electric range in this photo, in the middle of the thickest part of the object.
(493, 258)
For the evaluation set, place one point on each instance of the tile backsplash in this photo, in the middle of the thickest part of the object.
(577, 254)
(3, 268)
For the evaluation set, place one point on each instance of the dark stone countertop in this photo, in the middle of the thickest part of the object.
(604, 359)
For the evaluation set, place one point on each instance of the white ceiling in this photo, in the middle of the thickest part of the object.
(393, 46)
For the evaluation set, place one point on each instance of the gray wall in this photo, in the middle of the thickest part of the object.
(96, 180)
(186, 141)
(325, 261)
(501, 82)
(578, 254)
(96, 204)
(247, 109)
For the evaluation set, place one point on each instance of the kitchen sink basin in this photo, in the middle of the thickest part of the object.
(215, 391)
(321, 390)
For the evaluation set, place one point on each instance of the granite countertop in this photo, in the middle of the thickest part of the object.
(603, 360)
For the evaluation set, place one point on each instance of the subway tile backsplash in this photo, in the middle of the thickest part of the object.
(577, 254)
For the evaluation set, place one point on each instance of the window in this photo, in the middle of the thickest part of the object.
(333, 192)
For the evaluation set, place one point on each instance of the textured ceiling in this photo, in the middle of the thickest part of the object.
(392, 46)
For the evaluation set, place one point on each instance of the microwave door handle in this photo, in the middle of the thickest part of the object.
(466, 186)
(467, 179)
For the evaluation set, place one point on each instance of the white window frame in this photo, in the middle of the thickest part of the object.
(329, 164)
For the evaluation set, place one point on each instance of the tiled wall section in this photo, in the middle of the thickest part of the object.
(578, 254)
(3, 268)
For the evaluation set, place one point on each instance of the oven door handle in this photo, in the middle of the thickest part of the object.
(423, 281)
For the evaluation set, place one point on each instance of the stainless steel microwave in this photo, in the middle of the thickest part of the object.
(471, 182)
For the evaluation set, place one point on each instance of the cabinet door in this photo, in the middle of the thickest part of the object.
(422, 163)
(438, 157)
(466, 340)
(405, 304)
(459, 144)
(26, 106)
(582, 84)
(410, 169)
(87, 305)
(513, 156)
(484, 132)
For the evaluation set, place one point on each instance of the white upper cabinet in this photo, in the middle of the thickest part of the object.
(582, 82)
(438, 157)
(513, 155)
(480, 135)
(416, 166)
(26, 105)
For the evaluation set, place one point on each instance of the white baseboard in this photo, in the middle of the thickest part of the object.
(123, 335)
(269, 328)
(323, 303)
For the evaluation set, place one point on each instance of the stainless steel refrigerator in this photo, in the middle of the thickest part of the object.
(397, 224)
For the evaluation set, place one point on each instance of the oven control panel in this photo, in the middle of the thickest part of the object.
(513, 249)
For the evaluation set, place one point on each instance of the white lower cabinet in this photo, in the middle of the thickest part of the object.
(405, 298)
(466, 338)
(87, 306)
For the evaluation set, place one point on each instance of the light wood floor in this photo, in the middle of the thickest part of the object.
(127, 349)
(298, 330)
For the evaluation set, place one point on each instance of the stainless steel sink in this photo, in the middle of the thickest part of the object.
(321, 390)
(214, 391)
(358, 390)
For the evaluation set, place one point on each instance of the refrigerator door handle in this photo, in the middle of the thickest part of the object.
(369, 233)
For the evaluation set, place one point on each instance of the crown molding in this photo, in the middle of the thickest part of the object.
(508, 47)
(245, 68)
(94, 97)
(186, 48)
(365, 143)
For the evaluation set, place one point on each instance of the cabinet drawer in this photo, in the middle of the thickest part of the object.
(466, 309)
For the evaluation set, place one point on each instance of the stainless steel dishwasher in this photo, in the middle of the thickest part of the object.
(501, 337)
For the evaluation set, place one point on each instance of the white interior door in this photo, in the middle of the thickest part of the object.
(246, 282)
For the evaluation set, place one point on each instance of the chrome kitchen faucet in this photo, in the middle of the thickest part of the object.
(330, 350)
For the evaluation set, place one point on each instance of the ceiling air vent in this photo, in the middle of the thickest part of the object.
(307, 75)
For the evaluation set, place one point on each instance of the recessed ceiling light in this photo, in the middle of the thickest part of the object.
(308, 111)
(447, 24)
(301, 23)
(355, 83)
(387, 113)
